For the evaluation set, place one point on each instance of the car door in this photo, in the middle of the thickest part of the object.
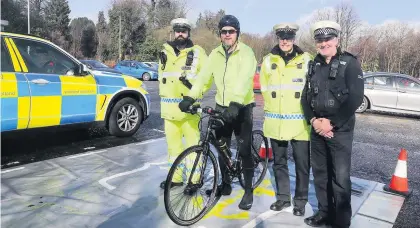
(136, 69)
(383, 93)
(408, 94)
(123, 67)
(15, 95)
(58, 96)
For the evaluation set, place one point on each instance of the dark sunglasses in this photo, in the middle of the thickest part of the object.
(230, 31)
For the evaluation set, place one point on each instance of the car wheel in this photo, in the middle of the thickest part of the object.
(146, 77)
(362, 108)
(125, 118)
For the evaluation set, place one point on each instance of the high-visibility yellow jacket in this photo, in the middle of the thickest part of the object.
(281, 87)
(233, 76)
(171, 89)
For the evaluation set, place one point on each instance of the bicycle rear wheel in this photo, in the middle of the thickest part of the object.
(201, 159)
(260, 164)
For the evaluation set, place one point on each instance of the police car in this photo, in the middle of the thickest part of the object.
(42, 85)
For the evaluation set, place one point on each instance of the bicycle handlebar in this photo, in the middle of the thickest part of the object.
(206, 110)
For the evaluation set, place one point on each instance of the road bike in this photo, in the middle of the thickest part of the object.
(197, 180)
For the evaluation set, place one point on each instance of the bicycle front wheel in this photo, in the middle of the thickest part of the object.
(197, 168)
(260, 164)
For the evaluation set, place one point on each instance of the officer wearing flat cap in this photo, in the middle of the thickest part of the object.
(332, 94)
(282, 78)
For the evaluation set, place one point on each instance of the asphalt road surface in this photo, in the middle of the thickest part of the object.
(377, 143)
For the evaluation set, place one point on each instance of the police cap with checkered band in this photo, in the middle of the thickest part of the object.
(325, 29)
(181, 23)
(286, 30)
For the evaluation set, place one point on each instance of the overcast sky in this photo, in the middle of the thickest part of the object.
(260, 16)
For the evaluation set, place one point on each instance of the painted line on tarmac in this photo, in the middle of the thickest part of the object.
(86, 154)
(104, 183)
(264, 216)
(11, 170)
(150, 141)
(159, 130)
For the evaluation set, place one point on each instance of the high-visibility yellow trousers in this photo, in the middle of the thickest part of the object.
(175, 131)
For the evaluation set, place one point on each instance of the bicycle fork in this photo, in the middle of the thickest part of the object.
(197, 159)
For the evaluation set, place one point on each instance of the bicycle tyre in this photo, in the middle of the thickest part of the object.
(254, 152)
(169, 211)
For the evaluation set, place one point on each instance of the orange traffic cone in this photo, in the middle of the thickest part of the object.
(263, 152)
(399, 181)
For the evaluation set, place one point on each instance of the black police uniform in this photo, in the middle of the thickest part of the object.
(333, 91)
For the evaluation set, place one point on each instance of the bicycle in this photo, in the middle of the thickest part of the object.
(203, 149)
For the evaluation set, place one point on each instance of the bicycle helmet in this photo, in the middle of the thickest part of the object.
(229, 20)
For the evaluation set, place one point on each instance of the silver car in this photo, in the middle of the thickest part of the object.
(391, 92)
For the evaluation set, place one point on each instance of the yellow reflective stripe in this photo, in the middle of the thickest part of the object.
(12, 54)
(24, 68)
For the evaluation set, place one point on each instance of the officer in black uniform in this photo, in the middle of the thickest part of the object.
(333, 91)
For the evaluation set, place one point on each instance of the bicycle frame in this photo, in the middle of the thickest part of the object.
(210, 138)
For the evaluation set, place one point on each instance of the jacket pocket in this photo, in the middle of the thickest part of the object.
(340, 94)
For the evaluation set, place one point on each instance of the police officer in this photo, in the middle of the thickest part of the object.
(282, 78)
(180, 62)
(232, 66)
(332, 94)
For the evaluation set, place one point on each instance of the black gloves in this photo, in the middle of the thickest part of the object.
(230, 114)
(186, 103)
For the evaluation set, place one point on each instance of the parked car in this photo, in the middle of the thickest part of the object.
(257, 86)
(43, 85)
(154, 65)
(98, 67)
(137, 69)
(391, 92)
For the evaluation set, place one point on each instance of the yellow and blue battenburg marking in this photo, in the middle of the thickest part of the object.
(15, 101)
(39, 100)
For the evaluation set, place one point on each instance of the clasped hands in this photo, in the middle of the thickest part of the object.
(323, 127)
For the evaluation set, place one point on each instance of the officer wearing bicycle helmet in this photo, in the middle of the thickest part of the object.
(179, 59)
(232, 66)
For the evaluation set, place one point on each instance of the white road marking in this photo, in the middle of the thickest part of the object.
(264, 216)
(89, 148)
(150, 141)
(159, 130)
(86, 154)
(104, 183)
(11, 170)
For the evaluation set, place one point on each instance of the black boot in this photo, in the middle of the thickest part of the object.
(248, 198)
(318, 219)
(224, 189)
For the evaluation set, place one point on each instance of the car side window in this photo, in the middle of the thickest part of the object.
(369, 81)
(6, 61)
(406, 83)
(42, 58)
(383, 81)
(126, 64)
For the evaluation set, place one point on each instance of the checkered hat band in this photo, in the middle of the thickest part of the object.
(325, 31)
(285, 30)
